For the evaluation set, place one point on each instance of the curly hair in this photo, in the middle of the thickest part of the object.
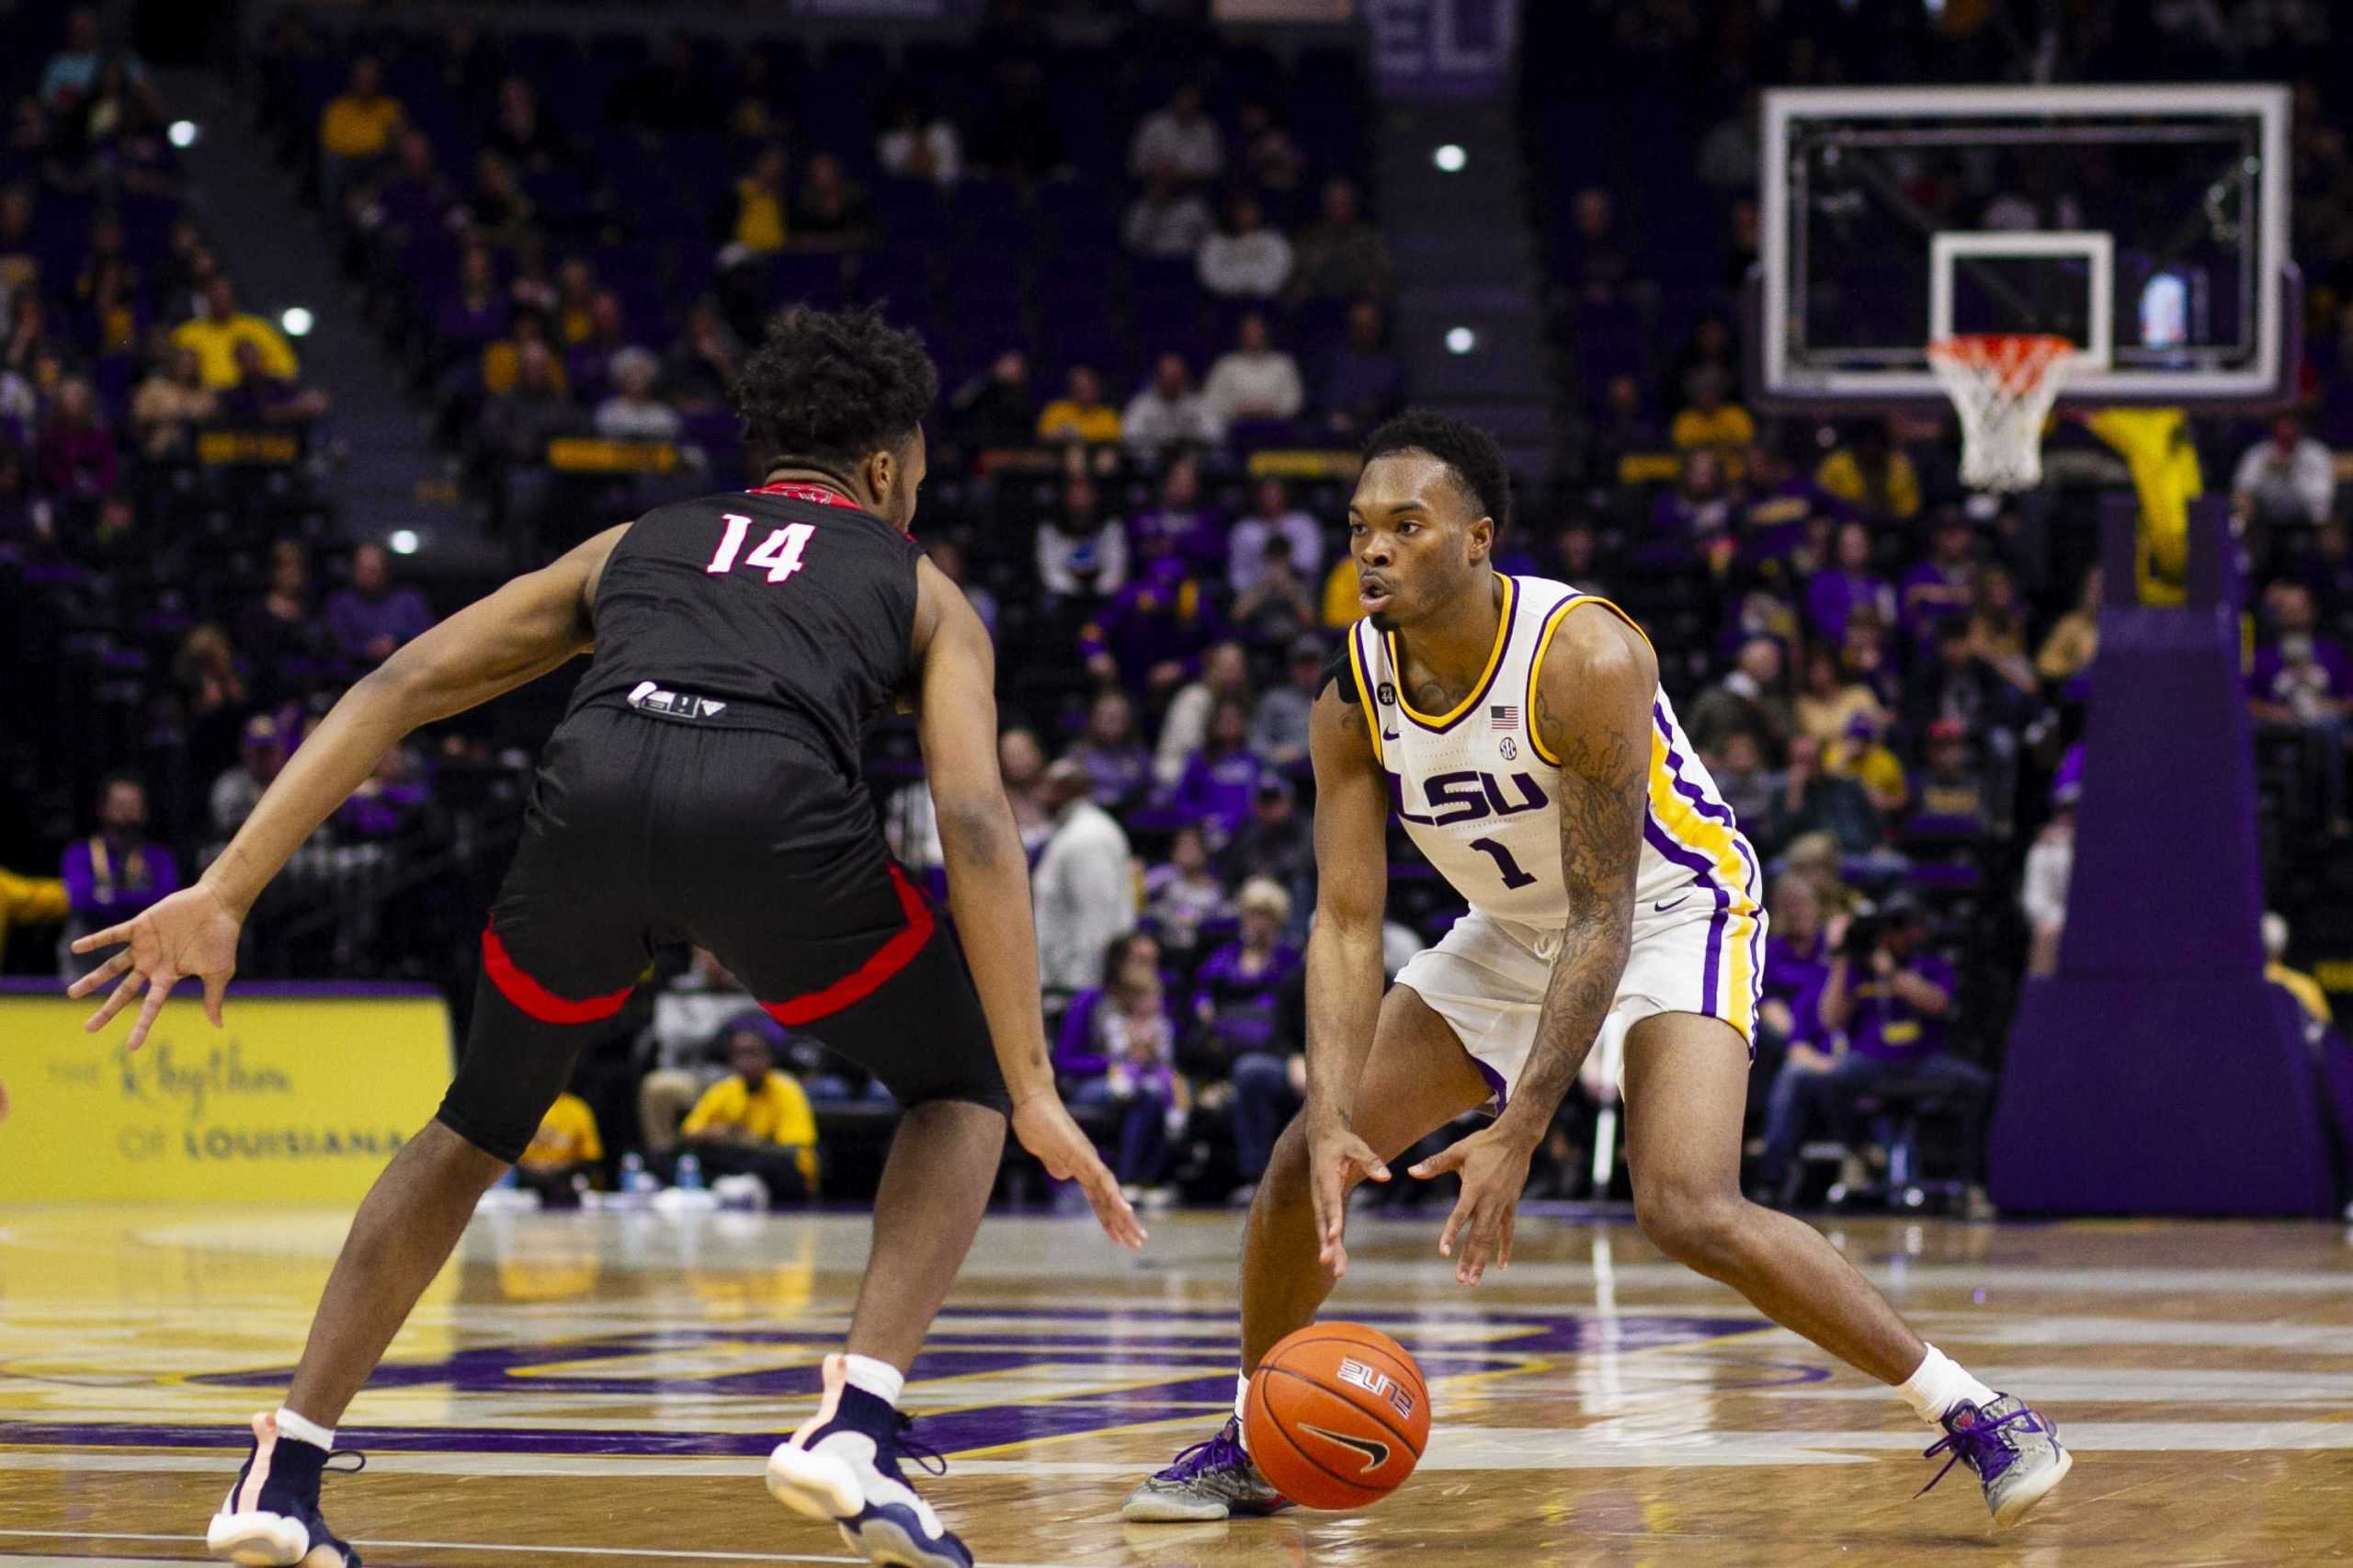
(833, 386)
(1469, 452)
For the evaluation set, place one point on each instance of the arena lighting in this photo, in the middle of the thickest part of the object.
(1450, 158)
(1460, 340)
(183, 133)
(402, 542)
(296, 321)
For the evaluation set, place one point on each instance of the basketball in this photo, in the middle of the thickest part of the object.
(1337, 1415)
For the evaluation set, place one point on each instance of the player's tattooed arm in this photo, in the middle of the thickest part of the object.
(1593, 710)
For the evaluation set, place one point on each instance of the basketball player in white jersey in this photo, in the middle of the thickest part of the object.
(1517, 729)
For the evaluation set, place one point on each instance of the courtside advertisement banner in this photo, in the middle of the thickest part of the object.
(300, 1099)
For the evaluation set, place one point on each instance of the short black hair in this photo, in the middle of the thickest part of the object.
(834, 386)
(1477, 462)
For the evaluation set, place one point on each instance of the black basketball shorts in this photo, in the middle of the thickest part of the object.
(644, 831)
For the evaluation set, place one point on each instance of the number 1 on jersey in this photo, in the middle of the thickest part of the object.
(779, 552)
(1514, 878)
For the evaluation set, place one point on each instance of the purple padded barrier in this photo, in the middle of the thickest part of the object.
(2156, 1073)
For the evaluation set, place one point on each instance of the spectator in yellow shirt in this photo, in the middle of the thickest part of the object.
(563, 1152)
(755, 224)
(2302, 986)
(29, 901)
(215, 336)
(357, 128)
(1341, 605)
(755, 1121)
(1080, 414)
(1711, 422)
(1872, 474)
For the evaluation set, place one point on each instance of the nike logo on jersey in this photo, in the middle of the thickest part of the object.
(1376, 1453)
(1663, 908)
(1388, 734)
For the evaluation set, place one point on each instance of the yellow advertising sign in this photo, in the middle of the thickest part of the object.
(302, 1098)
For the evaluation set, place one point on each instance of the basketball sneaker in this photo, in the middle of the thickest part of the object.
(843, 1465)
(1215, 1479)
(271, 1517)
(2012, 1448)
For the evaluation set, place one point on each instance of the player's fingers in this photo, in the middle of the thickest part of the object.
(1112, 1211)
(1463, 1209)
(157, 992)
(216, 991)
(1437, 1165)
(122, 998)
(100, 975)
(106, 938)
(1368, 1164)
(1503, 1250)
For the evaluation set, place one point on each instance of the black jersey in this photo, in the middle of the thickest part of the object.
(785, 609)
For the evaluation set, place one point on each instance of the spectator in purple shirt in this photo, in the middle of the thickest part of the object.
(1943, 587)
(1693, 521)
(1117, 767)
(76, 450)
(1151, 634)
(1125, 1058)
(1364, 382)
(1222, 776)
(371, 617)
(1183, 894)
(1831, 598)
(116, 873)
(1180, 526)
(2304, 682)
(1238, 1006)
(476, 315)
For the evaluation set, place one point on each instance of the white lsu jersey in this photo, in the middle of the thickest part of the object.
(1479, 795)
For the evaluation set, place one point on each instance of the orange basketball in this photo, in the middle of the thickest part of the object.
(1337, 1415)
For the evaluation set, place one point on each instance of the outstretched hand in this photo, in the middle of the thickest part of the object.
(1494, 1163)
(1045, 1128)
(193, 933)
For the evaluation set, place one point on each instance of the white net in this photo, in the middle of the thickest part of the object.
(2003, 384)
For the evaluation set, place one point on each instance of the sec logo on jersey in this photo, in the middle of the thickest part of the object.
(1510, 747)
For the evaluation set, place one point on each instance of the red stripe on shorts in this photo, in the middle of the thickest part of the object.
(862, 982)
(536, 1000)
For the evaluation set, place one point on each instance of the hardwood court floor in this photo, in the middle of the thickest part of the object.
(587, 1390)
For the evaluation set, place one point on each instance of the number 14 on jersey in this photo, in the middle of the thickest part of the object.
(779, 552)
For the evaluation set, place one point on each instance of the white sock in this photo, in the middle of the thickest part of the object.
(304, 1431)
(1240, 1398)
(880, 1378)
(1938, 1384)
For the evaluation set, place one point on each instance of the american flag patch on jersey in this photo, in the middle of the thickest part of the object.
(1506, 716)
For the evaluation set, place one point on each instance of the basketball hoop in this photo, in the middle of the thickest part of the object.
(2003, 384)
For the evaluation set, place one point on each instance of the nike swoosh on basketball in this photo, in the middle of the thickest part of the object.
(1375, 1452)
(1663, 908)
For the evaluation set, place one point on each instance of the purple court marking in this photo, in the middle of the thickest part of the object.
(1190, 1379)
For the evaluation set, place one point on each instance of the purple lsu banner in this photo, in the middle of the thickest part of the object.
(1442, 49)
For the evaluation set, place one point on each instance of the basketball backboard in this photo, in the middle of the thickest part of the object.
(2146, 224)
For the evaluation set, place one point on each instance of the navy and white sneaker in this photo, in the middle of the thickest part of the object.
(844, 1466)
(271, 1517)
(2012, 1448)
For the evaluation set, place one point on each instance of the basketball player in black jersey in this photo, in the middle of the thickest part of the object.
(704, 787)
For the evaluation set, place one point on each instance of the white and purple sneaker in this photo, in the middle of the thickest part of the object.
(844, 1466)
(2013, 1449)
(271, 1517)
(1215, 1479)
